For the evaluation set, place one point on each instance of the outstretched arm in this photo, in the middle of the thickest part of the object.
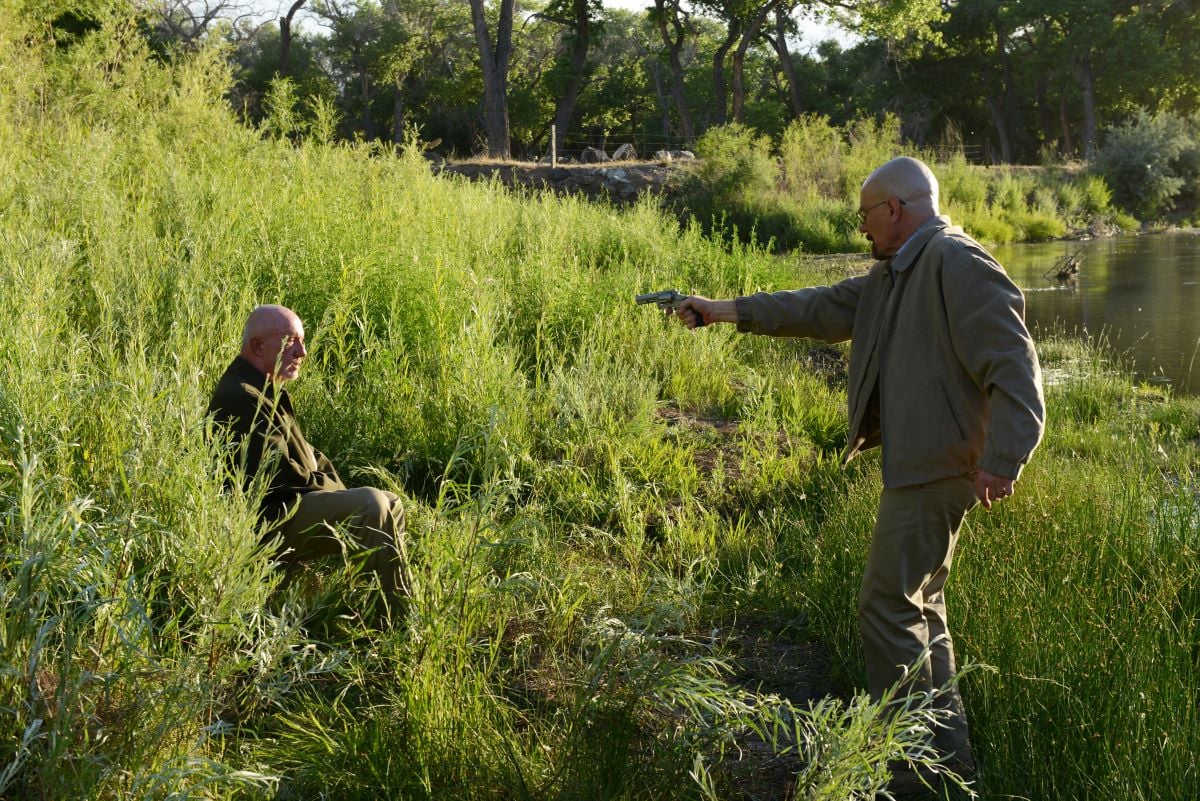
(697, 309)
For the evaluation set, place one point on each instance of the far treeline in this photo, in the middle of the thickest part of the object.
(1113, 83)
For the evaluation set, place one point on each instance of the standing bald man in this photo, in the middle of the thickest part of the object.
(943, 376)
(305, 499)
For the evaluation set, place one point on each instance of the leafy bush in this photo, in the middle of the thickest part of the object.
(1037, 227)
(1126, 222)
(963, 186)
(1150, 161)
(812, 156)
(735, 170)
(1008, 193)
(990, 229)
(1097, 197)
(872, 142)
(735, 162)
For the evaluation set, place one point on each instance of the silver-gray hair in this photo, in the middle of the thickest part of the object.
(909, 180)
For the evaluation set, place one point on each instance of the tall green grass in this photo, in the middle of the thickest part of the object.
(596, 499)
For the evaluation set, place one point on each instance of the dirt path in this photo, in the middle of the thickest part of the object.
(765, 663)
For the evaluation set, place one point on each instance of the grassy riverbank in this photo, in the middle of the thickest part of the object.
(801, 193)
(599, 503)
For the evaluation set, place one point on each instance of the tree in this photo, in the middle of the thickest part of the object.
(493, 59)
(756, 15)
(285, 37)
(356, 48)
(670, 12)
(186, 22)
(578, 18)
(785, 26)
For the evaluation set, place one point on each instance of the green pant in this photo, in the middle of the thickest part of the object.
(374, 520)
(902, 604)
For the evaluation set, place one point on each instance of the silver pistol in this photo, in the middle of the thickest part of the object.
(666, 299)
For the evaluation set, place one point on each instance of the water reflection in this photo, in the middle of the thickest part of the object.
(1143, 293)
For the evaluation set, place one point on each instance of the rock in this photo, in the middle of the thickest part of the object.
(683, 155)
(662, 155)
(559, 174)
(593, 155)
(624, 152)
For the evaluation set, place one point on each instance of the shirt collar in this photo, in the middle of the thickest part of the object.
(908, 252)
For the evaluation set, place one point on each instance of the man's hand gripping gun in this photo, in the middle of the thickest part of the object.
(667, 299)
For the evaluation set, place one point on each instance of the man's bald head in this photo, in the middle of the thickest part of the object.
(896, 200)
(273, 341)
(907, 179)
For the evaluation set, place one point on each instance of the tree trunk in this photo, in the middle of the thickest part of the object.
(1087, 84)
(785, 61)
(662, 101)
(739, 58)
(1008, 107)
(1044, 111)
(285, 38)
(494, 63)
(368, 122)
(581, 24)
(721, 103)
(398, 114)
(1065, 121)
(996, 107)
(674, 45)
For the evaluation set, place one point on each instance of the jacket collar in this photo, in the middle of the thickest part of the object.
(252, 375)
(912, 247)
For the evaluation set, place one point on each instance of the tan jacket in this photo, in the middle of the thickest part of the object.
(945, 342)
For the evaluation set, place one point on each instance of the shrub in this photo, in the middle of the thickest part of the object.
(1037, 227)
(1126, 222)
(735, 170)
(812, 156)
(1008, 194)
(1187, 164)
(1141, 160)
(1097, 197)
(989, 229)
(735, 162)
(872, 142)
(962, 185)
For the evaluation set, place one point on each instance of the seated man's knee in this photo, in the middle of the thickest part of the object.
(381, 510)
(373, 503)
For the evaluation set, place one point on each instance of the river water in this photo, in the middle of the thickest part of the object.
(1142, 293)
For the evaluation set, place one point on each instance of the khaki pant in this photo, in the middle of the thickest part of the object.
(374, 520)
(902, 606)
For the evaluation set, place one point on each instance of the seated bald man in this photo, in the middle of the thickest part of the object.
(305, 498)
(944, 379)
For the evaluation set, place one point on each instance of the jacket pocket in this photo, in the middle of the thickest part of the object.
(950, 407)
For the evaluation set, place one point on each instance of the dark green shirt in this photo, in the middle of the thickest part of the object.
(262, 430)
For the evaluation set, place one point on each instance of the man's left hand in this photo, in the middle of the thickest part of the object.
(990, 488)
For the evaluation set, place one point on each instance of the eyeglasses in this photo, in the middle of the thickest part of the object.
(862, 213)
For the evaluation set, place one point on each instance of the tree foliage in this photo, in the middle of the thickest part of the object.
(1005, 82)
